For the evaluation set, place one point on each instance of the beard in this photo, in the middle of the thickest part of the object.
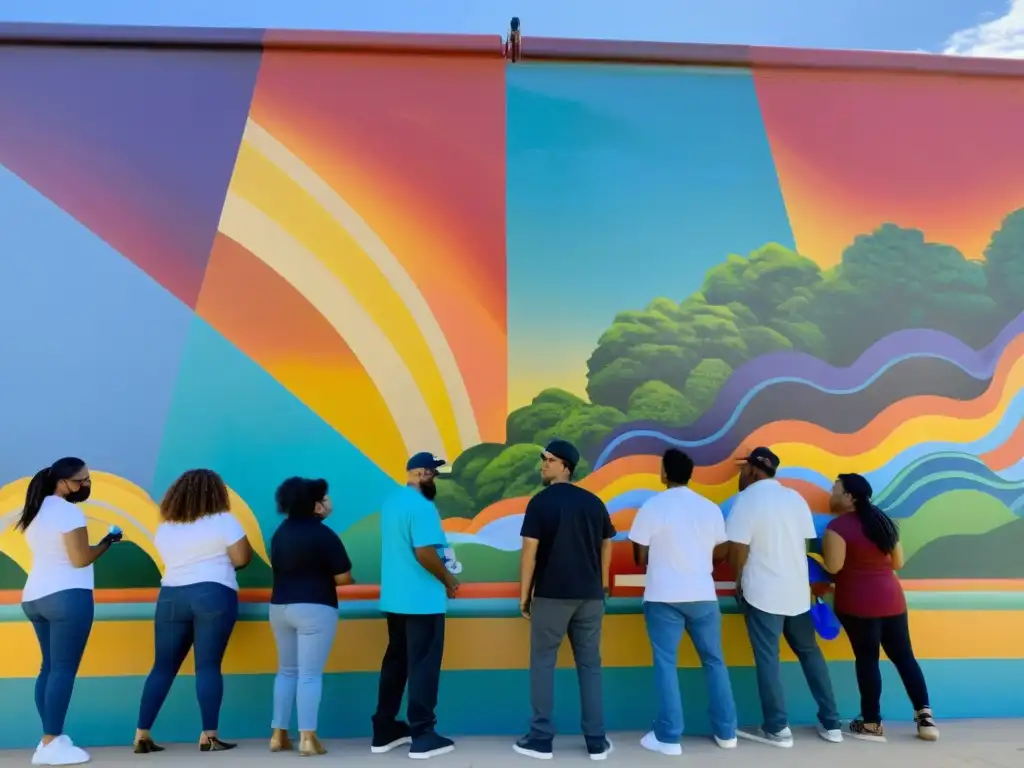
(428, 489)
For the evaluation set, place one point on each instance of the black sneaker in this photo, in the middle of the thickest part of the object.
(535, 748)
(430, 745)
(386, 738)
(599, 749)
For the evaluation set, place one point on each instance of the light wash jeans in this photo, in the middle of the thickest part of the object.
(304, 633)
(666, 623)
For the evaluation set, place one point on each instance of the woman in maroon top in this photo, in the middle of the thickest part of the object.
(861, 547)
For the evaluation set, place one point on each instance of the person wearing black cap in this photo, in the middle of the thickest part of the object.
(861, 546)
(563, 580)
(768, 528)
(415, 587)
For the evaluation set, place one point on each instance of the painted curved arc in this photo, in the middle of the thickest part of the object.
(266, 240)
(104, 516)
(244, 514)
(392, 269)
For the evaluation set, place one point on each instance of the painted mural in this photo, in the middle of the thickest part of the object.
(286, 263)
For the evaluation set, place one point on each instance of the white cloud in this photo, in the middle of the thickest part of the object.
(1001, 37)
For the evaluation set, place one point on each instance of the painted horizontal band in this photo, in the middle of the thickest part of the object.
(469, 608)
(126, 647)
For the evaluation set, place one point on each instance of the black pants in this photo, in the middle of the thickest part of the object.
(415, 648)
(891, 634)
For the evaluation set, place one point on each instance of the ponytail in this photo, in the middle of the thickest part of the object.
(43, 484)
(880, 529)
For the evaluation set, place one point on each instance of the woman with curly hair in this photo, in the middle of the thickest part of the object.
(861, 546)
(202, 545)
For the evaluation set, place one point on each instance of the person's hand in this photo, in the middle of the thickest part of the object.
(114, 536)
(452, 587)
(524, 609)
(820, 588)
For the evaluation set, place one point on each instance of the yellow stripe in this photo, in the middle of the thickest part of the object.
(268, 241)
(411, 324)
(125, 648)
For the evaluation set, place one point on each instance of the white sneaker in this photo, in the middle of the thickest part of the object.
(727, 743)
(60, 751)
(835, 735)
(650, 742)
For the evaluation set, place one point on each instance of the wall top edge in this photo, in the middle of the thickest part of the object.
(534, 48)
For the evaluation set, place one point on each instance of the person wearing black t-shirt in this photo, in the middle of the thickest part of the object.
(309, 563)
(563, 580)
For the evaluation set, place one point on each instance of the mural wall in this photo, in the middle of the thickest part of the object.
(287, 263)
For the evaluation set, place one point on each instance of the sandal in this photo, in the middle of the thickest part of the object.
(213, 744)
(145, 746)
(867, 731)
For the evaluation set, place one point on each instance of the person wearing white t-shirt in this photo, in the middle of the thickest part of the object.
(768, 529)
(202, 545)
(678, 534)
(58, 595)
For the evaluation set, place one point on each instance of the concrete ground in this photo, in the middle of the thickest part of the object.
(988, 743)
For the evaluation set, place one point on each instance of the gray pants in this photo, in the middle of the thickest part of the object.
(304, 633)
(550, 621)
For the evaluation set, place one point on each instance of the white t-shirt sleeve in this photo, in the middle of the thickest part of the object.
(231, 529)
(739, 527)
(640, 531)
(810, 532)
(71, 519)
(719, 527)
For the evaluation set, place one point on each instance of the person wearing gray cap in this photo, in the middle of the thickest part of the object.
(768, 528)
(563, 581)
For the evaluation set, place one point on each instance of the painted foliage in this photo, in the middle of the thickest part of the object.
(286, 263)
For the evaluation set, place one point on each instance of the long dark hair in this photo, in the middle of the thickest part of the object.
(880, 529)
(298, 496)
(44, 484)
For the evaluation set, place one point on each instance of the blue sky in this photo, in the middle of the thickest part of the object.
(983, 27)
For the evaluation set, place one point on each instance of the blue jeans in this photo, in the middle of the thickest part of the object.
(666, 623)
(765, 630)
(304, 634)
(200, 615)
(62, 622)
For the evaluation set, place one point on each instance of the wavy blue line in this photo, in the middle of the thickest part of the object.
(745, 401)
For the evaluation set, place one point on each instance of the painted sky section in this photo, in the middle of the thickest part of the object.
(137, 144)
(271, 322)
(90, 347)
(625, 183)
(260, 438)
(415, 145)
(854, 150)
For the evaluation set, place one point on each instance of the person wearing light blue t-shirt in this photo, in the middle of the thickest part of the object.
(415, 585)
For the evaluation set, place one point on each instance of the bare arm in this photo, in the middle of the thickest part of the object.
(641, 555)
(606, 564)
(343, 579)
(737, 559)
(434, 565)
(720, 553)
(240, 553)
(527, 569)
(897, 557)
(833, 551)
(80, 553)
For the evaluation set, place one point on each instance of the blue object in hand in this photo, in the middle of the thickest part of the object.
(825, 621)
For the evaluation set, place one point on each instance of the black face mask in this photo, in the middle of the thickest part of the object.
(428, 489)
(82, 494)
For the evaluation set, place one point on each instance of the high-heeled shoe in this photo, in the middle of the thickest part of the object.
(213, 744)
(145, 746)
(309, 745)
(280, 741)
